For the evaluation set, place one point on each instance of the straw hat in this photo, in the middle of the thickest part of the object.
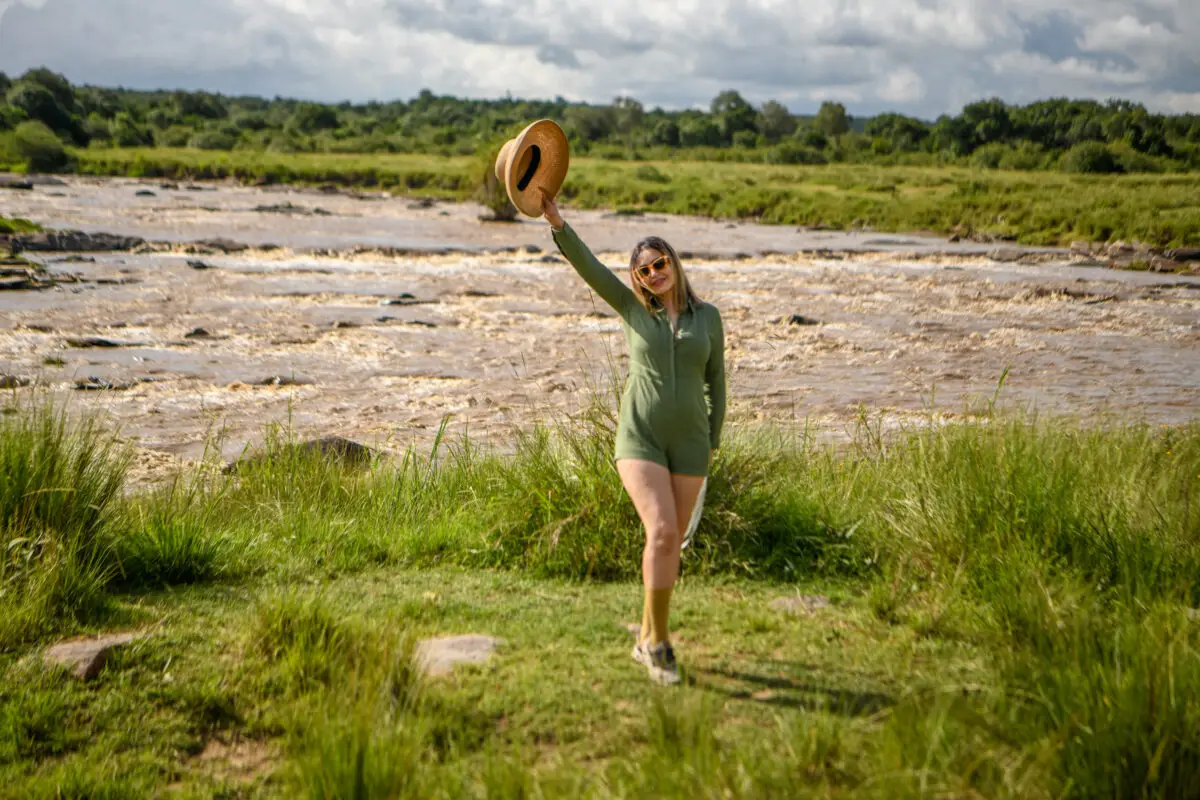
(535, 159)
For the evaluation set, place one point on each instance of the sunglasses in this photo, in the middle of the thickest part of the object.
(657, 265)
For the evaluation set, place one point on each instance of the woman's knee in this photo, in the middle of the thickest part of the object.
(662, 536)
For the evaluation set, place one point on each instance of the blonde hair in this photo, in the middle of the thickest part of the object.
(683, 288)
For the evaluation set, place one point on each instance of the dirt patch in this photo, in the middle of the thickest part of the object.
(243, 761)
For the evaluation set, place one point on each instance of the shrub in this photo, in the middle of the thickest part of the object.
(1089, 157)
(647, 172)
(57, 483)
(794, 153)
(39, 148)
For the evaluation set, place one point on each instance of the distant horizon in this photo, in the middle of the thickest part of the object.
(873, 56)
(704, 107)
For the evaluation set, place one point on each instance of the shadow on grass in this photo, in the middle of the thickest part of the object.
(787, 692)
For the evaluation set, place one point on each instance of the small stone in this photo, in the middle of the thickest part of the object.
(422, 323)
(86, 657)
(405, 299)
(532, 249)
(196, 263)
(198, 333)
(344, 324)
(1006, 255)
(439, 656)
(283, 380)
(800, 319)
(550, 258)
(12, 381)
(421, 204)
(91, 341)
(145, 193)
(15, 183)
(803, 604)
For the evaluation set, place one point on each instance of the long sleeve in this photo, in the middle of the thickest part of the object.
(714, 376)
(599, 277)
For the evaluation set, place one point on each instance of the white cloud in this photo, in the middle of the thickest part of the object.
(919, 56)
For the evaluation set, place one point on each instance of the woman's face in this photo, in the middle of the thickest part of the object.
(655, 272)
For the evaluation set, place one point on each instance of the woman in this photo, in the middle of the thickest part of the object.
(666, 434)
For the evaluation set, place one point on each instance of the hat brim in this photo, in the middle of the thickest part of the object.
(530, 172)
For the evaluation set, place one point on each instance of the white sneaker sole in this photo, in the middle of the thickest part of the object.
(663, 677)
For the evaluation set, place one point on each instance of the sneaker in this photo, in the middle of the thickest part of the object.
(659, 660)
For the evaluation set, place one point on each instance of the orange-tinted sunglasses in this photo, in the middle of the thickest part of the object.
(658, 265)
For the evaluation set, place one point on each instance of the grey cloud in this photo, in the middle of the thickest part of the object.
(662, 52)
(558, 56)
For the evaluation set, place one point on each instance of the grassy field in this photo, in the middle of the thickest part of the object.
(1039, 208)
(1009, 615)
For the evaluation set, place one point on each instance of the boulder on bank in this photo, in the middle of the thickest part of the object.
(332, 448)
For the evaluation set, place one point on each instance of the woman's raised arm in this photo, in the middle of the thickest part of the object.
(599, 277)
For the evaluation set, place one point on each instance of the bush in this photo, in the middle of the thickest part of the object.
(794, 153)
(1089, 157)
(57, 483)
(174, 136)
(646, 172)
(38, 146)
(489, 190)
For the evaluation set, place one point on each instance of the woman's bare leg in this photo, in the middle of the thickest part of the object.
(650, 488)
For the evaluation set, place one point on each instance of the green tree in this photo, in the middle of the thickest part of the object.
(590, 123)
(199, 104)
(39, 103)
(629, 116)
(733, 114)
(311, 117)
(952, 135)
(832, 119)
(700, 132)
(775, 121)
(808, 136)
(126, 132)
(902, 133)
(988, 121)
(666, 132)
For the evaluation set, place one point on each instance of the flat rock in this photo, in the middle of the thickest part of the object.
(196, 263)
(94, 384)
(144, 193)
(86, 657)
(92, 341)
(802, 604)
(1184, 254)
(8, 182)
(12, 381)
(439, 656)
(223, 245)
(74, 242)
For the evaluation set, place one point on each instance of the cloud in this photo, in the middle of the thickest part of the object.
(923, 57)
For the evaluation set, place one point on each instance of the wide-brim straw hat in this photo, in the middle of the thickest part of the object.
(533, 161)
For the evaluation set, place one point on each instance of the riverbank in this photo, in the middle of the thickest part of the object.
(1033, 208)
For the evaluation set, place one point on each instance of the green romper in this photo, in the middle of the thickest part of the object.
(663, 417)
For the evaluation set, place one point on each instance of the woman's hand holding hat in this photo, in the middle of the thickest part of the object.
(550, 209)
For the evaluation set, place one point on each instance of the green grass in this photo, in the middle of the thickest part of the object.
(1009, 617)
(1038, 208)
(17, 225)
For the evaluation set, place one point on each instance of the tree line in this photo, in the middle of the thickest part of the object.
(41, 111)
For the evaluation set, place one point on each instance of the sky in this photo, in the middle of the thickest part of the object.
(919, 57)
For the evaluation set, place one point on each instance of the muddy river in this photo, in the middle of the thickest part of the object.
(327, 324)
